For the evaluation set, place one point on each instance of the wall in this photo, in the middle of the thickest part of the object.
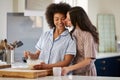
(22, 28)
(94, 7)
(15, 5)
(21, 5)
(38, 13)
(105, 6)
(5, 6)
(18, 5)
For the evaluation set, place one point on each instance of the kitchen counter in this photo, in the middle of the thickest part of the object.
(66, 78)
(107, 55)
(99, 56)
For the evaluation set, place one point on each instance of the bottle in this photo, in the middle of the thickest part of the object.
(8, 56)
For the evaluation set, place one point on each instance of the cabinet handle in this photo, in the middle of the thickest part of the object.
(103, 62)
(103, 68)
(118, 59)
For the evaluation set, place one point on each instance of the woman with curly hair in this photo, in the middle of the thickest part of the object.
(87, 40)
(55, 47)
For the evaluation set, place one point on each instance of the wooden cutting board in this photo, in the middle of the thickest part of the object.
(23, 73)
(5, 66)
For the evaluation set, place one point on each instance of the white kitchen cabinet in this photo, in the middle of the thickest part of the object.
(37, 4)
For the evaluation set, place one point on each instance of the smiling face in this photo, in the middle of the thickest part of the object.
(68, 20)
(59, 21)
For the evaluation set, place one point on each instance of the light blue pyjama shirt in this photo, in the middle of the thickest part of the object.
(53, 51)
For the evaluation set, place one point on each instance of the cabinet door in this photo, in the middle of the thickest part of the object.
(104, 67)
(117, 60)
(111, 66)
(108, 66)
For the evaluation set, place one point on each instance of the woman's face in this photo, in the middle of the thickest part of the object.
(59, 21)
(68, 20)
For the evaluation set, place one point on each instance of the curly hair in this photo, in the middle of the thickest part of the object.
(55, 8)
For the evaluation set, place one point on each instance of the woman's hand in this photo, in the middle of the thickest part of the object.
(65, 70)
(40, 66)
(26, 54)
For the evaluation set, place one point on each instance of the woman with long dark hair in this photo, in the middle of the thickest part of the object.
(87, 43)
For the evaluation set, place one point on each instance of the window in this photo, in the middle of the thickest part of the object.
(106, 28)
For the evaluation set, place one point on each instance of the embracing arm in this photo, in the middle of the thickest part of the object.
(81, 64)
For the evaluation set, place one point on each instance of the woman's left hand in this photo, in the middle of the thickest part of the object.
(40, 66)
(65, 70)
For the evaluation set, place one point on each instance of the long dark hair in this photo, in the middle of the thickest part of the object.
(79, 17)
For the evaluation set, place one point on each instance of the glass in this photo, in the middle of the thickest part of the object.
(57, 71)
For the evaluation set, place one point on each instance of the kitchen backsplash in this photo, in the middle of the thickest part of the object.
(20, 27)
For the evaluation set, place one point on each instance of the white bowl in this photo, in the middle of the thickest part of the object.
(31, 63)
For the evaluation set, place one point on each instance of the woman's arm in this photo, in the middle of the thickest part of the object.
(81, 64)
(67, 60)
